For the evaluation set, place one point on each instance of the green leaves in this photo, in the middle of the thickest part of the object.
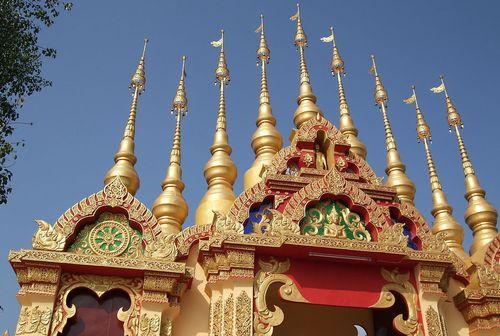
(20, 69)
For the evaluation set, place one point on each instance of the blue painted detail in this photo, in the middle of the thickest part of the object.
(256, 215)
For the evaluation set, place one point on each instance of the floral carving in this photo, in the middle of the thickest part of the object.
(434, 326)
(149, 326)
(393, 235)
(225, 224)
(243, 315)
(163, 248)
(274, 223)
(33, 321)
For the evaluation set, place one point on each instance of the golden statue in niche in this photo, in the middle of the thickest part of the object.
(320, 158)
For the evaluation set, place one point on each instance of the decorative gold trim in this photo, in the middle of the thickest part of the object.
(271, 272)
(401, 284)
(149, 326)
(114, 194)
(243, 314)
(34, 321)
(274, 223)
(99, 285)
(393, 235)
(433, 321)
(95, 260)
(229, 315)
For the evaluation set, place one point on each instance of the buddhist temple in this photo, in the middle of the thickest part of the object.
(316, 243)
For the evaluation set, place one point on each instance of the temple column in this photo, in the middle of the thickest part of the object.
(230, 288)
(432, 282)
(159, 309)
(37, 296)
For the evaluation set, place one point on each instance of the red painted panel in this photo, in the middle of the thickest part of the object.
(337, 284)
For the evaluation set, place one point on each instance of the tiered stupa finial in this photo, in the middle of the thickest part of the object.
(125, 158)
(266, 140)
(306, 100)
(441, 210)
(346, 124)
(220, 170)
(480, 215)
(395, 170)
(170, 208)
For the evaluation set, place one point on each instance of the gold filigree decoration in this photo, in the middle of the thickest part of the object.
(99, 285)
(166, 327)
(333, 219)
(163, 248)
(393, 235)
(274, 223)
(48, 238)
(114, 194)
(33, 321)
(149, 326)
(216, 318)
(308, 160)
(243, 314)
(400, 283)
(272, 272)
(309, 130)
(333, 183)
(225, 224)
(433, 242)
(434, 326)
(229, 315)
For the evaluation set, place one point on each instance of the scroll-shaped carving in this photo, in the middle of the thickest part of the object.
(48, 238)
(273, 223)
(149, 325)
(393, 235)
(401, 284)
(432, 242)
(271, 272)
(225, 224)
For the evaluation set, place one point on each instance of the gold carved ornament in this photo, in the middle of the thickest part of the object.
(434, 326)
(333, 219)
(400, 283)
(114, 194)
(393, 235)
(149, 326)
(243, 314)
(274, 223)
(99, 285)
(272, 272)
(33, 321)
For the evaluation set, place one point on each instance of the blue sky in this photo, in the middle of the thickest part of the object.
(79, 121)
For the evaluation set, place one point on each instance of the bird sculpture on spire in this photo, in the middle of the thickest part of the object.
(480, 215)
(395, 169)
(125, 158)
(220, 171)
(307, 108)
(266, 140)
(444, 222)
(170, 208)
(346, 124)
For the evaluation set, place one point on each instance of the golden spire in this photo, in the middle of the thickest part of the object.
(346, 124)
(480, 215)
(266, 140)
(395, 170)
(441, 211)
(220, 171)
(170, 208)
(125, 158)
(306, 100)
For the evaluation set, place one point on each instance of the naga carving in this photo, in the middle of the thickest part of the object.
(400, 283)
(274, 223)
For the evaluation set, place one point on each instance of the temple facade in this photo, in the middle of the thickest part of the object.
(315, 244)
